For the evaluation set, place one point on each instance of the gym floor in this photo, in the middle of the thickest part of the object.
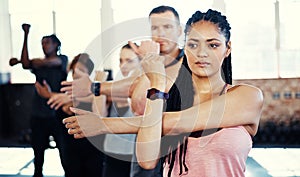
(262, 162)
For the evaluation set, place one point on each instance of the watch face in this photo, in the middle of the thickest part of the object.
(153, 94)
(95, 88)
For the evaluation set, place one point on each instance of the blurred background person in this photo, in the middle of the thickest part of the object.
(81, 157)
(119, 148)
(52, 68)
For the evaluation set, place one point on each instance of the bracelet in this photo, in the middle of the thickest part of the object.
(154, 94)
(95, 88)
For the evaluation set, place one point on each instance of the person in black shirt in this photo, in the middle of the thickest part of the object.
(51, 69)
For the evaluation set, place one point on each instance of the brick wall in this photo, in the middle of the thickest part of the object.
(280, 121)
(282, 97)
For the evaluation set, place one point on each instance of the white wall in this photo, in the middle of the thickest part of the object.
(5, 36)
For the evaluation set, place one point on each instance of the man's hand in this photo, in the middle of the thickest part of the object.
(101, 76)
(80, 87)
(146, 47)
(154, 68)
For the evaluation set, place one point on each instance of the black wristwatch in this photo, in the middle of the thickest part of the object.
(95, 88)
(154, 94)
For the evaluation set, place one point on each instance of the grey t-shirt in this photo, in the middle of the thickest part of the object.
(119, 143)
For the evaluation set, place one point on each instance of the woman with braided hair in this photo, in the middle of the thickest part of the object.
(208, 123)
(205, 80)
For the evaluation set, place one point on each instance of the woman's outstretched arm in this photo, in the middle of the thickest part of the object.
(241, 105)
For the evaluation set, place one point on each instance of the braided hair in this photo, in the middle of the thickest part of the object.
(218, 19)
(182, 92)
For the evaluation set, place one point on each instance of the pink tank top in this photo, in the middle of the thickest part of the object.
(221, 154)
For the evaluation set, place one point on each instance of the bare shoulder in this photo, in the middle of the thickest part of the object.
(244, 88)
(246, 91)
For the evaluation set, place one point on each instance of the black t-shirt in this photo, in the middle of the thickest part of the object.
(53, 76)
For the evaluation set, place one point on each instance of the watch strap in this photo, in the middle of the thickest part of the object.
(95, 88)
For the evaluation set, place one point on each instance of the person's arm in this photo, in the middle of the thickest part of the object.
(86, 124)
(138, 95)
(243, 107)
(44, 89)
(149, 135)
(148, 139)
(58, 100)
(87, 99)
(138, 90)
(32, 63)
(66, 108)
(24, 55)
(50, 62)
(82, 87)
(121, 88)
(100, 106)
(55, 100)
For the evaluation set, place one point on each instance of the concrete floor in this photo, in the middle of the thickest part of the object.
(262, 162)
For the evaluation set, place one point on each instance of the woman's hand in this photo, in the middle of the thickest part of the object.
(43, 90)
(84, 124)
(26, 28)
(66, 108)
(59, 99)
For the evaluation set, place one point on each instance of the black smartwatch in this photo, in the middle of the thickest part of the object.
(154, 94)
(95, 88)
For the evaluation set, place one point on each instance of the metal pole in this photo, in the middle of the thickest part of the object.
(277, 36)
(54, 21)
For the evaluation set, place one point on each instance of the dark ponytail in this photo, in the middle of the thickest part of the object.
(182, 91)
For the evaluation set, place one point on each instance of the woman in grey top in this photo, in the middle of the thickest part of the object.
(119, 148)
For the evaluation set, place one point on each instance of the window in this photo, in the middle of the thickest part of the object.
(253, 39)
(289, 53)
(257, 52)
